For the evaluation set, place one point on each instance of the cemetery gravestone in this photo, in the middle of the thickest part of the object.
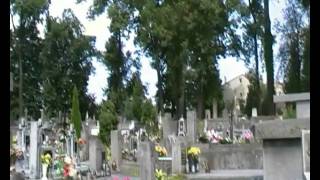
(95, 154)
(116, 147)
(282, 148)
(34, 150)
(191, 125)
(95, 150)
(254, 112)
(207, 114)
(176, 158)
(146, 160)
(214, 110)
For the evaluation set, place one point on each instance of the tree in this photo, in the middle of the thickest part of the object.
(75, 113)
(117, 65)
(294, 48)
(24, 54)
(108, 121)
(268, 106)
(178, 35)
(66, 61)
(253, 21)
(253, 96)
(305, 77)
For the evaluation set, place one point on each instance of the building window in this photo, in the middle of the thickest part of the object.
(240, 94)
(240, 80)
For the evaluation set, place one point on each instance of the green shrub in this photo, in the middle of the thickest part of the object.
(289, 112)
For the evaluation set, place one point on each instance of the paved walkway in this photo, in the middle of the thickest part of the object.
(118, 177)
(228, 174)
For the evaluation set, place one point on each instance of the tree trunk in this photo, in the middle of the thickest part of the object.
(160, 95)
(256, 60)
(268, 56)
(180, 105)
(200, 101)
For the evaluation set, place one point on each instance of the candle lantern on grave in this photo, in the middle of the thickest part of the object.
(181, 127)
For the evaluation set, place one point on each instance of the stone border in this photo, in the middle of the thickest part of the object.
(294, 97)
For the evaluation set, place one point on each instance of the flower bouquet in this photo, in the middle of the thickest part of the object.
(45, 161)
(247, 136)
(161, 150)
(160, 175)
(69, 172)
(81, 141)
(193, 158)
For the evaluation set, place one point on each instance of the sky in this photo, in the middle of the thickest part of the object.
(229, 67)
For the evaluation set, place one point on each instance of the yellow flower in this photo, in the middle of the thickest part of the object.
(160, 174)
(194, 151)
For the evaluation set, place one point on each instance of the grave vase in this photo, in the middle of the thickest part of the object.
(195, 162)
(44, 171)
(190, 163)
(193, 168)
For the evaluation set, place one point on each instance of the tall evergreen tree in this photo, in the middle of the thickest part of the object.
(268, 41)
(75, 113)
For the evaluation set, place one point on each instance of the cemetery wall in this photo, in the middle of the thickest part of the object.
(232, 156)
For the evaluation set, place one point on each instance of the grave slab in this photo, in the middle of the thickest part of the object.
(281, 129)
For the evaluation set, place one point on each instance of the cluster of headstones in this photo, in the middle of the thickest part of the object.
(38, 137)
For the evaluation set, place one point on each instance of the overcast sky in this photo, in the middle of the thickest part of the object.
(229, 67)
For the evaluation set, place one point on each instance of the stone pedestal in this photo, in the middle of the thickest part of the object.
(282, 148)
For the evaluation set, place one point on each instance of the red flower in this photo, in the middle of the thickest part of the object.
(66, 170)
(81, 141)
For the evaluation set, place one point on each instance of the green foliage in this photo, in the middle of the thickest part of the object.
(289, 112)
(107, 153)
(108, 120)
(268, 58)
(294, 48)
(177, 177)
(66, 57)
(50, 66)
(254, 95)
(75, 113)
(305, 77)
(25, 46)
